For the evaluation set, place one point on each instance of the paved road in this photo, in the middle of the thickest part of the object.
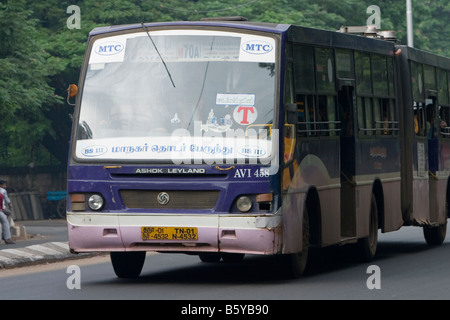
(408, 269)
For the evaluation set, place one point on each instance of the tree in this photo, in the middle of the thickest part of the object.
(24, 89)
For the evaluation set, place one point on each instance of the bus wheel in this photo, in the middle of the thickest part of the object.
(368, 246)
(128, 264)
(434, 236)
(294, 264)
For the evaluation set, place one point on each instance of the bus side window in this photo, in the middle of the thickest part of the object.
(306, 115)
(317, 115)
(387, 119)
(444, 120)
(384, 114)
(443, 98)
(304, 68)
(363, 74)
(380, 117)
(327, 117)
(325, 73)
(365, 116)
(419, 119)
(322, 119)
(380, 78)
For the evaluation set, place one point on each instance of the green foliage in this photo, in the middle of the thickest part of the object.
(24, 90)
(40, 56)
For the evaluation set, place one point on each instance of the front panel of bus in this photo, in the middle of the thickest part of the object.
(175, 142)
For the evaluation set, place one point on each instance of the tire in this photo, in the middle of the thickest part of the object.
(435, 236)
(368, 245)
(294, 265)
(128, 264)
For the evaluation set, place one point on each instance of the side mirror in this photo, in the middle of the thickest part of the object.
(72, 91)
(292, 113)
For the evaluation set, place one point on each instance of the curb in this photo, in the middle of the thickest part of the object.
(35, 254)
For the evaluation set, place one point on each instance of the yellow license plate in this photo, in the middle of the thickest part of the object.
(169, 233)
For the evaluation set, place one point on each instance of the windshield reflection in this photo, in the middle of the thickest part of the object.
(214, 91)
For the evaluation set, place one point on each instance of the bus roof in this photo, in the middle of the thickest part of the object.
(257, 26)
(296, 34)
(425, 57)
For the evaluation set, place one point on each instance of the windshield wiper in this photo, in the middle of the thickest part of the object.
(154, 45)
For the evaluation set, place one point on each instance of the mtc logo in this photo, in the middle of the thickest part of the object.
(109, 49)
(257, 47)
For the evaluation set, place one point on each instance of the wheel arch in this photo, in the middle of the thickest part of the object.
(312, 204)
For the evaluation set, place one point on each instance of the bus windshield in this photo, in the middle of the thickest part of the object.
(178, 95)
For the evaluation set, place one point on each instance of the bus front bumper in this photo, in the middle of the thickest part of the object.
(248, 234)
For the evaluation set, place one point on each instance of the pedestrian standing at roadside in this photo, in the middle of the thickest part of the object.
(6, 231)
(7, 206)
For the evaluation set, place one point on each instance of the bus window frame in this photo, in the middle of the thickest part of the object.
(368, 103)
(309, 100)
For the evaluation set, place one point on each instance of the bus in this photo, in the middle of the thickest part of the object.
(226, 138)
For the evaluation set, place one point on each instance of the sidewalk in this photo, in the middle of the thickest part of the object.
(37, 241)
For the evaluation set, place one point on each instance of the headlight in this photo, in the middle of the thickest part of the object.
(96, 202)
(244, 204)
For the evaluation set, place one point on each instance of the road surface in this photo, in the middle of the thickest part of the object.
(404, 268)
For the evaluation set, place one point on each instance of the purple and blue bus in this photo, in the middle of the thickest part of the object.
(227, 138)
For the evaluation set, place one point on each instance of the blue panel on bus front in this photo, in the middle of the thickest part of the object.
(194, 184)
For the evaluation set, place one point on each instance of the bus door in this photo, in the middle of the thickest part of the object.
(433, 155)
(420, 186)
(346, 102)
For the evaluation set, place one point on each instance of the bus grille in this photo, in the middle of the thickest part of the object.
(148, 199)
